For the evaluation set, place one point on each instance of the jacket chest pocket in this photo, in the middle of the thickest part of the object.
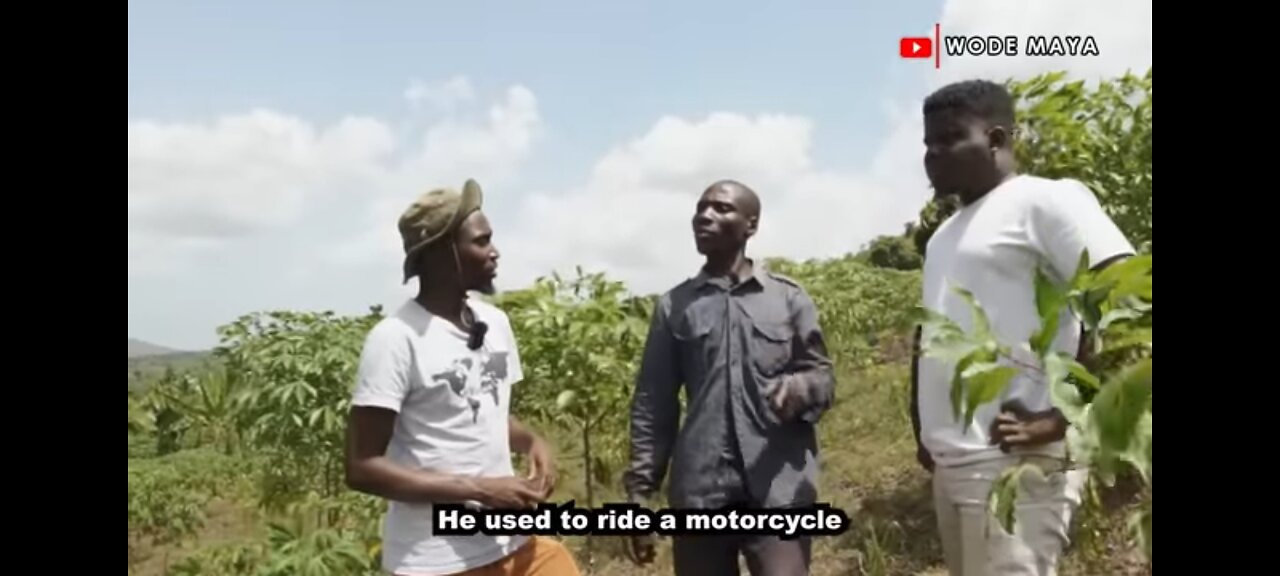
(694, 347)
(771, 347)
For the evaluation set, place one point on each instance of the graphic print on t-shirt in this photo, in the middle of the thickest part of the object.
(459, 374)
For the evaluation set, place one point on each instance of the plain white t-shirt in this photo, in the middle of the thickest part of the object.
(453, 405)
(993, 248)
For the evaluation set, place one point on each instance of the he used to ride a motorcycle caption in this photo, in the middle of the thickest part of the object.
(631, 519)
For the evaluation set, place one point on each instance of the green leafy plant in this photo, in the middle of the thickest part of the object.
(232, 559)
(297, 370)
(139, 420)
(206, 403)
(894, 252)
(1105, 397)
(163, 509)
(323, 552)
(158, 411)
(581, 340)
(288, 550)
(169, 496)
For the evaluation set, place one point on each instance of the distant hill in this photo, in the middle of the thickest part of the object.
(147, 359)
(139, 349)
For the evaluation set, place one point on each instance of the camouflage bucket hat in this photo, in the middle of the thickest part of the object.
(434, 215)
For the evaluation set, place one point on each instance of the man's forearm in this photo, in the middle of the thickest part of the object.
(652, 437)
(811, 367)
(380, 476)
(654, 421)
(655, 409)
(520, 436)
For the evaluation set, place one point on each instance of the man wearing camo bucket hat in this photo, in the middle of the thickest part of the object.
(430, 421)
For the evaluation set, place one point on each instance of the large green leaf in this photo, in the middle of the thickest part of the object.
(1003, 497)
(1066, 397)
(942, 338)
(981, 330)
(1051, 300)
(1120, 405)
(985, 382)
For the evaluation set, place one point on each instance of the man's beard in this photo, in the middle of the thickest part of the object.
(487, 288)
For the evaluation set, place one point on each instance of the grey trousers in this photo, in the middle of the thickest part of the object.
(718, 555)
(975, 545)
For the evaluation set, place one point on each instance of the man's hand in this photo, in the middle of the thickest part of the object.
(508, 492)
(1016, 426)
(542, 467)
(786, 397)
(641, 548)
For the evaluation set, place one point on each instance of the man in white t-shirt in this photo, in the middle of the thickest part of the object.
(1007, 225)
(430, 420)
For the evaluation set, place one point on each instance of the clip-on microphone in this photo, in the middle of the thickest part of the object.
(476, 337)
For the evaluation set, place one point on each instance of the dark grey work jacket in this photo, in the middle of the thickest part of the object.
(727, 345)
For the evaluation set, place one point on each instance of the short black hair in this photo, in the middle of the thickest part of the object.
(983, 99)
(749, 197)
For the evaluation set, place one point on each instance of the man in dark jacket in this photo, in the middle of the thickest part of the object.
(746, 345)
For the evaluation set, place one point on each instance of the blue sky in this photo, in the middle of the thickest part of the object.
(273, 144)
(603, 71)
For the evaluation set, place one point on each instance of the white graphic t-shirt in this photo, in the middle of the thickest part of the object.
(993, 248)
(453, 405)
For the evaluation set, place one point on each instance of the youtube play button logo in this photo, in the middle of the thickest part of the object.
(915, 47)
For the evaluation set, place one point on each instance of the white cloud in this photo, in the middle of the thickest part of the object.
(455, 149)
(449, 153)
(264, 210)
(631, 217)
(197, 186)
(240, 174)
(193, 187)
(441, 97)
